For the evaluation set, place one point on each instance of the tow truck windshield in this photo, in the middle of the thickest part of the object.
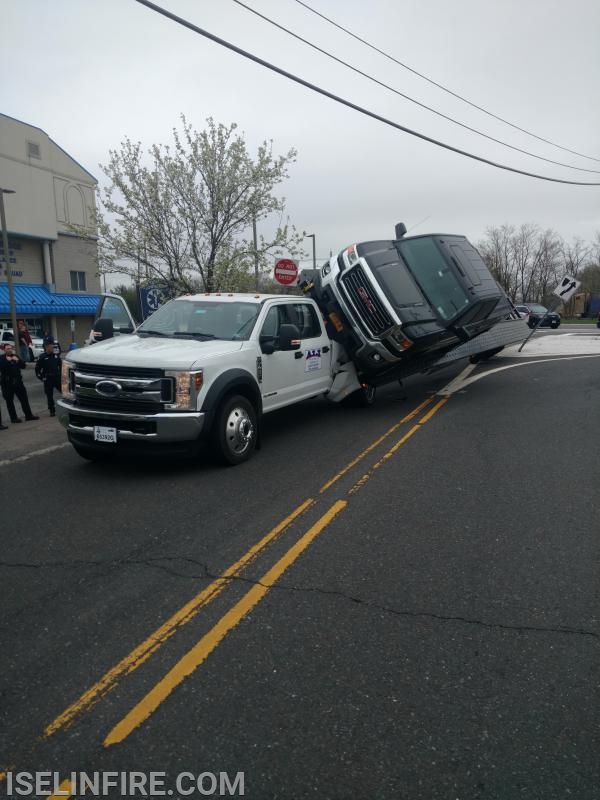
(202, 319)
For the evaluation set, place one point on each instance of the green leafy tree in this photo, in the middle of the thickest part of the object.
(182, 215)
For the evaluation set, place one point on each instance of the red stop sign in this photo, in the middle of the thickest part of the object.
(286, 271)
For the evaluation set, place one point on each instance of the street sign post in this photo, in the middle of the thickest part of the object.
(151, 298)
(566, 288)
(286, 271)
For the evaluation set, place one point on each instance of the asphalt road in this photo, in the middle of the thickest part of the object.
(422, 621)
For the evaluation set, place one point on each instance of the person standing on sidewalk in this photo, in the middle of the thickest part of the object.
(11, 383)
(25, 342)
(47, 369)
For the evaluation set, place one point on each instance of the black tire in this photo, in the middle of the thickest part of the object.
(554, 325)
(361, 398)
(477, 357)
(235, 430)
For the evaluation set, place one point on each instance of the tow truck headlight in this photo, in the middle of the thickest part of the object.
(187, 386)
(67, 380)
(325, 269)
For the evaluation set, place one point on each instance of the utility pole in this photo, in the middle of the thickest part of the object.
(312, 236)
(9, 281)
(255, 254)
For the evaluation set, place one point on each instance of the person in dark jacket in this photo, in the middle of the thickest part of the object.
(47, 368)
(11, 382)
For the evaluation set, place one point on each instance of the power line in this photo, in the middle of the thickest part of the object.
(407, 97)
(185, 23)
(440, 86)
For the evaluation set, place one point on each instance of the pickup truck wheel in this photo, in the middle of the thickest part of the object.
(477, 357)
(235, 430)
(361, 398)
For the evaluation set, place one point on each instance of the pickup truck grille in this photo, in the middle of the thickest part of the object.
(370, 310)
(121, 389)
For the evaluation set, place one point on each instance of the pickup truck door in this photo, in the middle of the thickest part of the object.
(292, 375)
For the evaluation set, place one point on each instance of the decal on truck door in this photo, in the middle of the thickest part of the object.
(313, 360)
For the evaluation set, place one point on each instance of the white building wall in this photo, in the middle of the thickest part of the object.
(52, 191)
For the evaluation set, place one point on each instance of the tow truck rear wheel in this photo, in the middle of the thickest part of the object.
(235, 430)
(361, 398)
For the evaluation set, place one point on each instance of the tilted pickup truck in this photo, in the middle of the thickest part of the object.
(206, 367)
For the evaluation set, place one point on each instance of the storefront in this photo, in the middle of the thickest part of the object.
(67, 317)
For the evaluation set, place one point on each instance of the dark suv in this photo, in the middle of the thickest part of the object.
(533, 312)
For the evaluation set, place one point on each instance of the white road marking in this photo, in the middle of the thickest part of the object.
(456, 385)
(43, 452)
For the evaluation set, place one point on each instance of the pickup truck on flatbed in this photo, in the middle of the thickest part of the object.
(206, 367)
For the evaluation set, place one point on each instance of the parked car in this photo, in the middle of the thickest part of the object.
(37, 345)
(533, 312)
(598, 320)
(7, 337)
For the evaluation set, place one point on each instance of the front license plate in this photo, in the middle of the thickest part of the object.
(102, 434)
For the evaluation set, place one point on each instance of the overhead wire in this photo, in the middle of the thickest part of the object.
(342, 101)
(407, 97)
(443, 88)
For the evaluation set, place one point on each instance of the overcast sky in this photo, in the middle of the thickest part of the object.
(90, 72)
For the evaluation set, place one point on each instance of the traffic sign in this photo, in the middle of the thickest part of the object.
(151, 298)
(286, 271)
(566, 288)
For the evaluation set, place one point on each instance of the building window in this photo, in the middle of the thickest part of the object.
(33, 150)
(78, 281)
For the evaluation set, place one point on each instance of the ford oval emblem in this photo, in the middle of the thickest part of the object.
(108, 388)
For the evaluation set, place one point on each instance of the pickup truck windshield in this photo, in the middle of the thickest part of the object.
(202, 319)
(434, 275)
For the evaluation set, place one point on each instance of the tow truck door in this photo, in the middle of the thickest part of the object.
(113, 306)
(292, 375)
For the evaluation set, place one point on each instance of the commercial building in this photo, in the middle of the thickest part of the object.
(51, 235)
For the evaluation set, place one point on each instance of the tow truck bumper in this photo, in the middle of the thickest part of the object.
(159, 428)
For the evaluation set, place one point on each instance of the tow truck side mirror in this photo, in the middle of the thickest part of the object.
(103, 329)
(267, 344)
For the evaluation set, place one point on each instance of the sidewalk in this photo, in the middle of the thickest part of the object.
(28, 437)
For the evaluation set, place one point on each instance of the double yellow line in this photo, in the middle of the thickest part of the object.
(207, 644)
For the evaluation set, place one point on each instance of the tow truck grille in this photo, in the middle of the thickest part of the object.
(365, 300)
(121, 372)
(134, 390)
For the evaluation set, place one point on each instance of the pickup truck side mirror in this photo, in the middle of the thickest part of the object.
(289, 337)
(102, 330)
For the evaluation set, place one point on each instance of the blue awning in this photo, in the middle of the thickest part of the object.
(33, 299)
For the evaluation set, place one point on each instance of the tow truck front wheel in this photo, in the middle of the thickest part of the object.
(235, 431)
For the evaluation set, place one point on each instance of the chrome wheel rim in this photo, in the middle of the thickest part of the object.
(239, 430)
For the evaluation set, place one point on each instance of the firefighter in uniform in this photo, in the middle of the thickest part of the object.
(47, 369)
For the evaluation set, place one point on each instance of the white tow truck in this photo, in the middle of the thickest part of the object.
(204, 368)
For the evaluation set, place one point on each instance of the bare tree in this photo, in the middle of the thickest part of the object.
(524, 260)
(496, 252)
(575, 257)
(181, 214)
